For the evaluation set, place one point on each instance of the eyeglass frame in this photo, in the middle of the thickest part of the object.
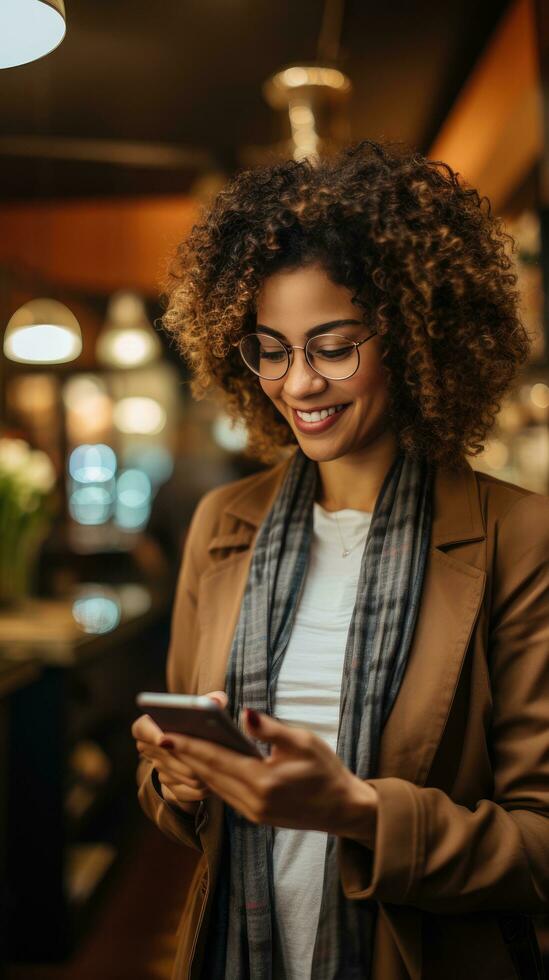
(289, 348)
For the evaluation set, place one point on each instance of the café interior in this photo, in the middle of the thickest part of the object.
(112, 140)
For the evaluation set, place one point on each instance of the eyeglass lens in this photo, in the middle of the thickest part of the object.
(330, 354)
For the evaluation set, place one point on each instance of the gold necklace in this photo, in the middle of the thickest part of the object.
(346, 551)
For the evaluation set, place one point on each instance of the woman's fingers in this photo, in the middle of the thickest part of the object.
(155, 753)
(186, 781)
(179, 800)
(163, 759)
(176, 775)
(148, 736)
(181, 789)
(179, 777)
(145, 729)
(192, 783)
(192, 788)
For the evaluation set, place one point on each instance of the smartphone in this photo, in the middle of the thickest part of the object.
(198, 716)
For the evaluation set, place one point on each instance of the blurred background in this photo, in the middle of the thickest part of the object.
(112, 137)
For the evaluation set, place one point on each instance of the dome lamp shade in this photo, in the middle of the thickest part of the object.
(29, 29)
(128, 339)
(43, 331)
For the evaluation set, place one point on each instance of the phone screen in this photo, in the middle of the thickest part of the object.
(210, 722)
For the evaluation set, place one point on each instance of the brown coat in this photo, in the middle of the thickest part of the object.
(463, 785)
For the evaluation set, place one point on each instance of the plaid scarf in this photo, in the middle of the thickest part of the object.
(240, 937)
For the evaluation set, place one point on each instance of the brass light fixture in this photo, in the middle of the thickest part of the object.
(315, 98)
(311, 100)
(29, 29)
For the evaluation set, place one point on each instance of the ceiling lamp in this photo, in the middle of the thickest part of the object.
(283, 82)
(29, 29)
(315, 97)
(311, 99)
(127, 339)
(43, 331)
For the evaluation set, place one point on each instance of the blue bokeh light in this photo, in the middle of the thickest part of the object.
(155, 461)
(92, 463)
(133, 500)
(91, 504)
(96, 610)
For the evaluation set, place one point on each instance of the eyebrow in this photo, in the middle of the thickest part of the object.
(320, 328)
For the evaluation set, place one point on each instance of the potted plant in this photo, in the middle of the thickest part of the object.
(27, 480)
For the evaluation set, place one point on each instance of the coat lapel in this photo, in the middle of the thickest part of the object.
(451, 599)
(222, 585)
(452, 595)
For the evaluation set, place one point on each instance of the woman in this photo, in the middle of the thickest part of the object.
(378, 606)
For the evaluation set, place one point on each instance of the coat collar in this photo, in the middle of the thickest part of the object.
(457, 515)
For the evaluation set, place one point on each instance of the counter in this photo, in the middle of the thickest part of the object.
(71, 670)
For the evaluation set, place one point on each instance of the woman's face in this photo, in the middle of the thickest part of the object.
(291, 303)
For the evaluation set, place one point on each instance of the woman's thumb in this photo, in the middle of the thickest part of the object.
(219, 696)
(266, 728)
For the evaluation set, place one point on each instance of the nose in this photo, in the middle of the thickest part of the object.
(300, 379)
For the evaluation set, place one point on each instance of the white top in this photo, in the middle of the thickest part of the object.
(307, 695)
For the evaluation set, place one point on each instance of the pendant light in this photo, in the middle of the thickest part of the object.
(127, 339)
(29, 29)
(43, 331)
(311, 99)
(315, 97)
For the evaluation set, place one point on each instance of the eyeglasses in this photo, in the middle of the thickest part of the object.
(329, 354)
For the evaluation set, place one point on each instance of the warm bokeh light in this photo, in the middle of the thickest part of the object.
(301, 115)
(127, 339)
(135, 599)
(233, 438)
(81, 387)
(143, 416)
(298, 76)
(33, 394)
(89, 410)
(511, 416)
(540, 395)
(127, 348)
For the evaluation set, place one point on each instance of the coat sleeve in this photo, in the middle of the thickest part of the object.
(178, 825)
(437, 855)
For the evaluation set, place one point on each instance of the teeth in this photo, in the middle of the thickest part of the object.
(319, 416)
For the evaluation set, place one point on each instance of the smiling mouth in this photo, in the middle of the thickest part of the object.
(318, 420)
(320, 414)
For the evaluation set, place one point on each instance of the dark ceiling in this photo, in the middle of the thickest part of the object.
(182, 79)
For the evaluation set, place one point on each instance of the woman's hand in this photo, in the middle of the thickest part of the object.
(180, 784)
(301, 784)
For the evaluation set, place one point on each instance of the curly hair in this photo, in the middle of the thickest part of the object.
(425, 260)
